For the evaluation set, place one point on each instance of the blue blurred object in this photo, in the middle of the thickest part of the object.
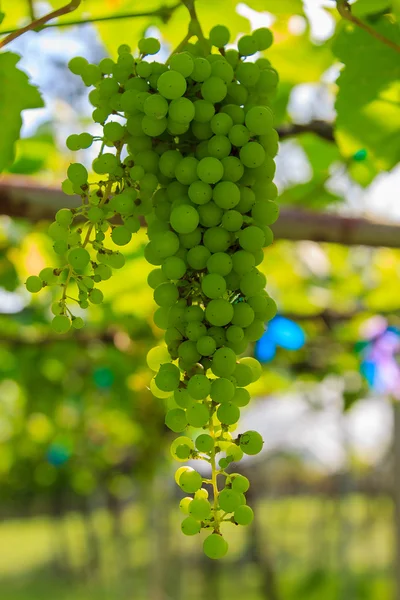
(280, 332)
(286, 333)
(57, 455)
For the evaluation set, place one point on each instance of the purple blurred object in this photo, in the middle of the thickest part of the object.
(380, 355)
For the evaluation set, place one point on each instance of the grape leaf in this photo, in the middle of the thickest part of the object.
(278, 7)
(16, 95)
(368, 110)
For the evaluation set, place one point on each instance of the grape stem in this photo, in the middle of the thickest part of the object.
(64, 10)
(344, 10)
(193, 30)
(214, 478)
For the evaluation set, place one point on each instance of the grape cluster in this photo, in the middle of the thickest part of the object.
(194, 159)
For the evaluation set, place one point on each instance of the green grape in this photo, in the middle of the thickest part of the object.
(215, 546)
(171, 85)
(243, 373)
(252, 282)
(184, 504)
(232, 220)
(228, 413)
(252, 154)
(243, 314)
(78, 258)
(210, 214)
(229, 500)
(72, 142)
(221, 124)
(199, 387)
(251, 442)
(121, 235)
(186, 170)
(252, 238)
(204, 443)
(248, 74)
(183, 63)
(216, 239)
(190, 526)
(195, 330)
(201, 69)
(175, 420)
(219, 146)
(113, 131)
(219, 263)
(96, 296)
(224, 362)
(77, 65)
(203, 111)
(153, 127)
(226, 194)
(210, 170)
(49, 275)
(219, 312)
(259, 120)
(77, 323)
(200, 509)
(234, 334)
(247, 45)
(233, 168)
(213, 285)
(174, 267)
(168, 377)
(166, 294)
(77, 174)
(149, 45)
(34, 284)
(219, 36)
(222, 69)
(197, 415)
(190, 481)
(184, 218)
(206, 345)
(200, 192)
(180, 441)
(222, 390)
(239, 135)
(61, 324)
(243, 515)
(239, 483)
(263, 37)
(182, 398)
(214, 89)
(188, 352)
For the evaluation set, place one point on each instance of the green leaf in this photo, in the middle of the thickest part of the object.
(16, 95)
(278, 7)
(367, 105)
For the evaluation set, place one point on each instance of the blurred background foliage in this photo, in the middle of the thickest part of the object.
(87, 500)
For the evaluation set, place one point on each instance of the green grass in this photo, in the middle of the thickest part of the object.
(319, 550)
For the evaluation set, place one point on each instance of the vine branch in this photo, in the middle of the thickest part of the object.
(37, 23)
(164, 13)
(321, 128)
(344, 10)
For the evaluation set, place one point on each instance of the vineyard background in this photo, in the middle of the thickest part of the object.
(88, 505)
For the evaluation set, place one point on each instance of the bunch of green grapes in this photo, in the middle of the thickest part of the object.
(194, 158)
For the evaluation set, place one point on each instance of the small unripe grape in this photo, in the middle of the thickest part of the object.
(215, 546)
(77, 323)
(61, 324)
(251, 442)
(219, 36)
(34, 284)
(190, 481)
(243, 515)
(190, 526)
(200, 509)
(96, 296)
(204, 443)
(78, 258)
